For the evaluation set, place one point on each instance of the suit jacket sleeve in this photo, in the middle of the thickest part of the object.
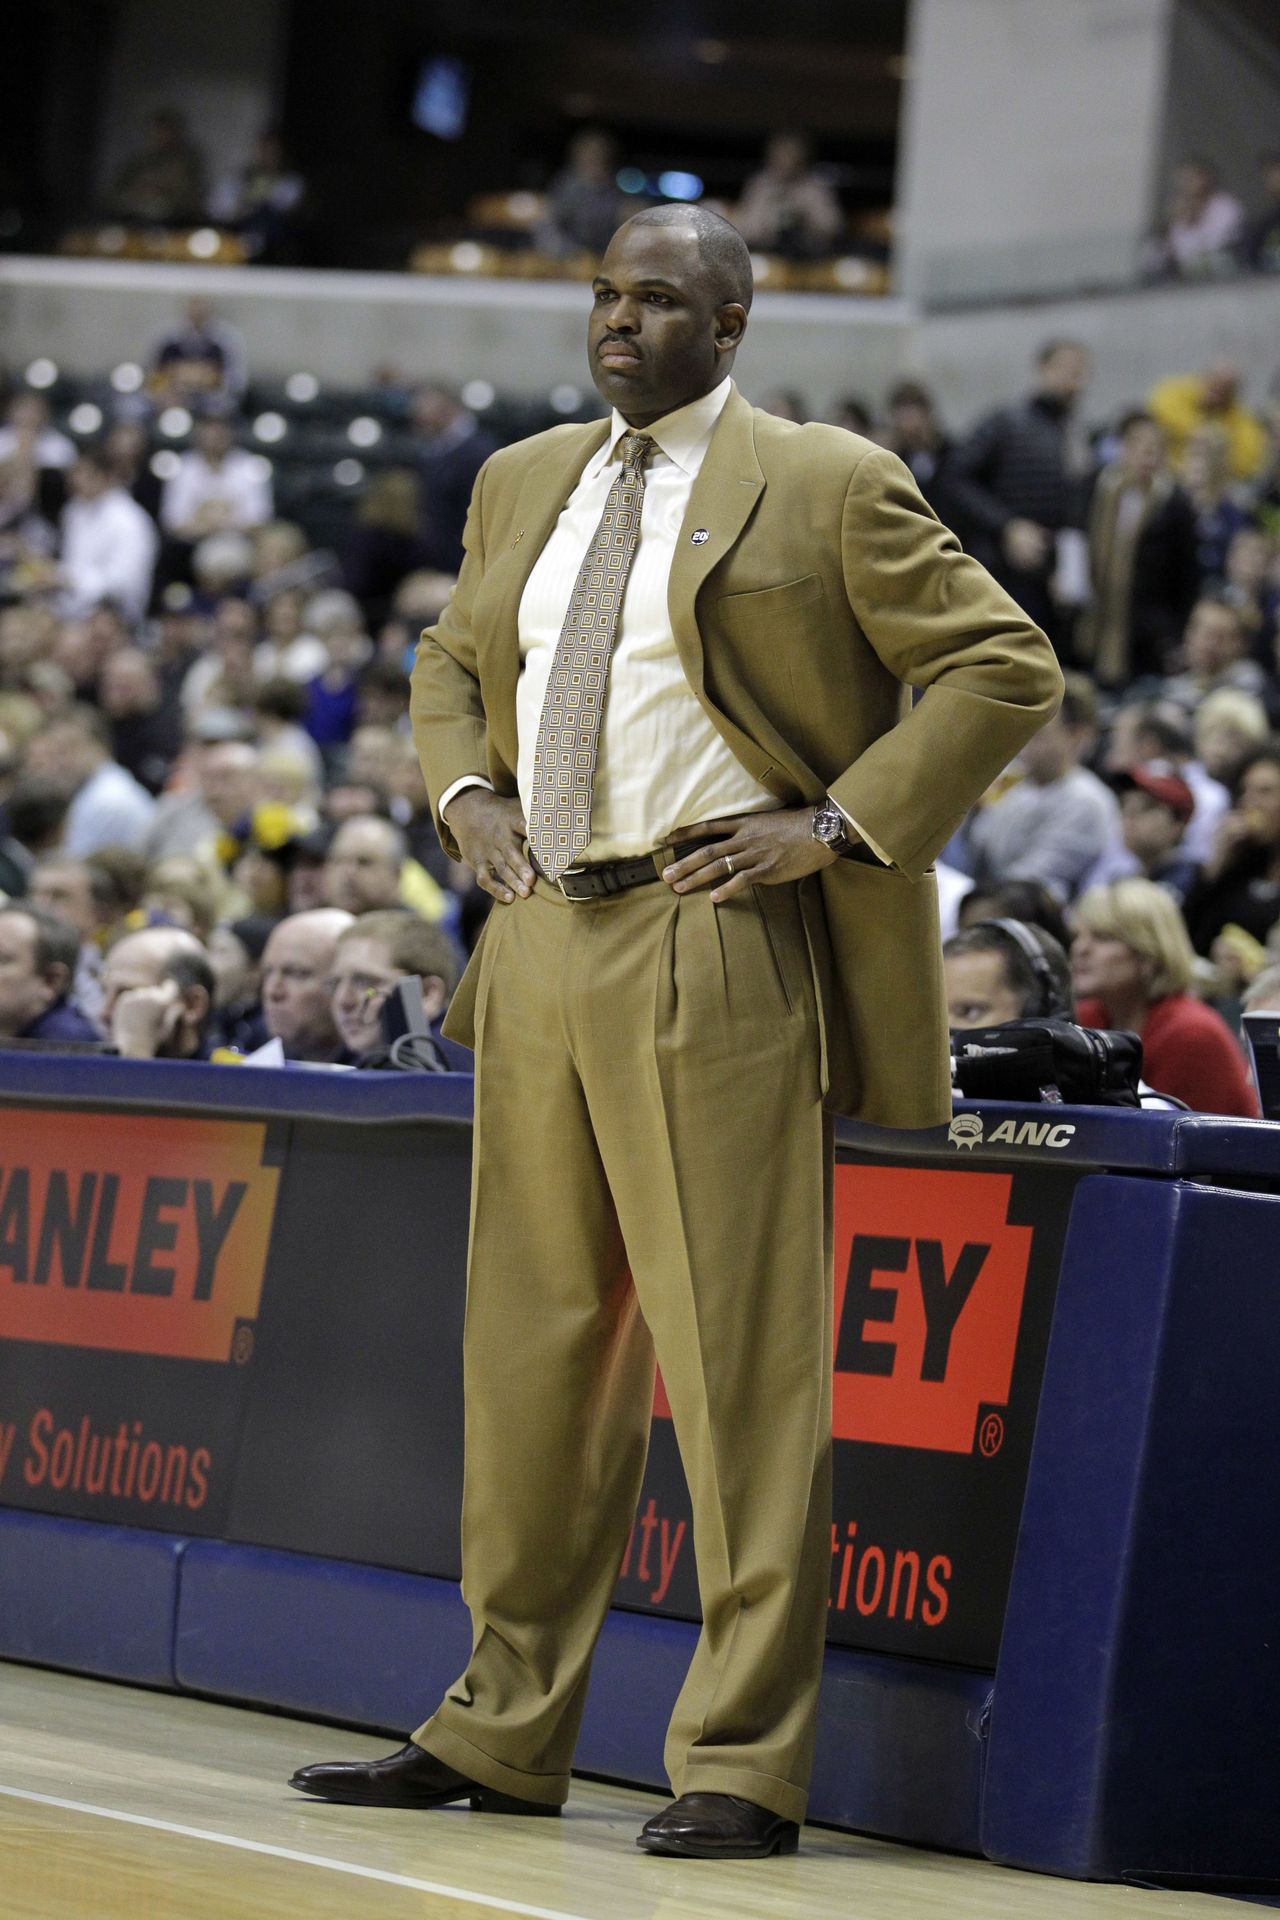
(939, 623)
(445, 706)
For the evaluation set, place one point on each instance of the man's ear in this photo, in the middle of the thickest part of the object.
(731, 324)
(56, 980)
(435, 996)
(196, 1005)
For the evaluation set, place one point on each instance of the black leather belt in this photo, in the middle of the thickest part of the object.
(595, 882)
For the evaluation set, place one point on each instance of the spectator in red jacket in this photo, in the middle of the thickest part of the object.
(1131, 966)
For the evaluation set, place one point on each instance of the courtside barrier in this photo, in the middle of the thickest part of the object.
(230, 1446)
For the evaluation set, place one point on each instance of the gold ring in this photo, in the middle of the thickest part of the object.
(728, 863)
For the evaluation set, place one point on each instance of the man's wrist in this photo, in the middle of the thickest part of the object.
(830, 828)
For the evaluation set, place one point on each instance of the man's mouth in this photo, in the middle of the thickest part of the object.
(614, 353)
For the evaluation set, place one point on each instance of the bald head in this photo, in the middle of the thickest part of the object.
(168, 957)
(362, 872)
(724, 254)
(296, 965)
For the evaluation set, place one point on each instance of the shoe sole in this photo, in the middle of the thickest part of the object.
(488, 1800)
(690, 1850)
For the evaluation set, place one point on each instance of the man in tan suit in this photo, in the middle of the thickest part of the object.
(667, 718)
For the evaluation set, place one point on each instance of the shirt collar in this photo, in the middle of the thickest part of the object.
(682, 435)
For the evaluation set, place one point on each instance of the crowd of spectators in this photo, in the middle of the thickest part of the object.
(214, 835)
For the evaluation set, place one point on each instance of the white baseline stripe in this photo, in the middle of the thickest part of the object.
(489, 1900)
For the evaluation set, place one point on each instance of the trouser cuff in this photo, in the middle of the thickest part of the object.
(549, 1789)
(764, 1789)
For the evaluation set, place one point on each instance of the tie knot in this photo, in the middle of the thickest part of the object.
(635, 449)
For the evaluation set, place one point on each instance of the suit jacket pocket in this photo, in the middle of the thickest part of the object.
(765, 607)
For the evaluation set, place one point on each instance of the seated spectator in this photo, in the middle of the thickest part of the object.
(235, 954)
(382, 544)
(333, 696)
(916, 435)
(1203, 226)
(382, 698)
(38, 956)
(1215, 654)
(1024, 900)
(263, 202)
(226, 674)
(1184, 404)
(1239, 884)
(784, 403)
(1260, 242)
(79, 893)
(1156, 806)
(145, 719)
(788, 207)
(200, 339)
(36, 817)
(194, 817)
(218, 486)
(1228, 724)
(297, 964)
(127, 444)
(854, 415)
(374, 954)
(1059, 820)
(28, 434)
(584, 204)
(369, 869)
(1262, 995)
(1247, 586)
(452, 448)
(279, 706)
(159, 995)
(1146, 730)
(108, 542)
(990, 979)
(162, 184)
(1131, 966)
(1142, 561)
(287, 651)
(107, 805)
(182, 892)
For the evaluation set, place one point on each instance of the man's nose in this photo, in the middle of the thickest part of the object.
(625, 317)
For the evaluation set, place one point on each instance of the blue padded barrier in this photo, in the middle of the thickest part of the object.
(99, 1599)
(1138, 1693)
(323, 1637)
(898, 1745)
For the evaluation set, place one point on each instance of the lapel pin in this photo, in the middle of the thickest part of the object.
(519, 537)
(699, 536)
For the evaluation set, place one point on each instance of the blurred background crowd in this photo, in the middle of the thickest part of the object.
(215, 563)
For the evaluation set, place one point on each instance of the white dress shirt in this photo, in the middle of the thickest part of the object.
(108, 553)
(661, 763)
(238, 485)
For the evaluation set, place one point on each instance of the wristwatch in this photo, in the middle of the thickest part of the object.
(829, 827)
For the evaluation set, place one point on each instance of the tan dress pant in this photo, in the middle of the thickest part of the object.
(652, 1172)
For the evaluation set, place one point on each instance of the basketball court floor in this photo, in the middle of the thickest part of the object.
(117, 1804)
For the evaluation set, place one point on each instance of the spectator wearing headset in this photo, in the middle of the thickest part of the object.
(1001, 970)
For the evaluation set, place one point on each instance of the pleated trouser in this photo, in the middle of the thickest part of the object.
(652, 1174)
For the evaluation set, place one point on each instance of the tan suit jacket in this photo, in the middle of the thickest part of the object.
(825, 591)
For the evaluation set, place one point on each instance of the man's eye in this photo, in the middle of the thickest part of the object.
(659, 300)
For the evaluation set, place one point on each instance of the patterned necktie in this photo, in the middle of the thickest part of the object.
(569, 729)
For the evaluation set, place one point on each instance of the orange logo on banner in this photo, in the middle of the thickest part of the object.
(132, 1232)
(930, 1278)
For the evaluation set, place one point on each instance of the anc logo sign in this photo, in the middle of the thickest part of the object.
(132, 1232)
(930, 1278)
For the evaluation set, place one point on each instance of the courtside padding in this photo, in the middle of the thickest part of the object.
(899, 1741)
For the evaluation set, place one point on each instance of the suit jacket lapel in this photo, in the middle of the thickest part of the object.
(729, 483)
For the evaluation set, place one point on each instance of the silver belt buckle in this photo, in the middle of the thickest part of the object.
(571, 897)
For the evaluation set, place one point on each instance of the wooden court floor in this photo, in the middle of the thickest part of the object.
(116, 1804)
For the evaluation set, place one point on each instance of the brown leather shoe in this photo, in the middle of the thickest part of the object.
(410, 1778)
(718, 1826)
